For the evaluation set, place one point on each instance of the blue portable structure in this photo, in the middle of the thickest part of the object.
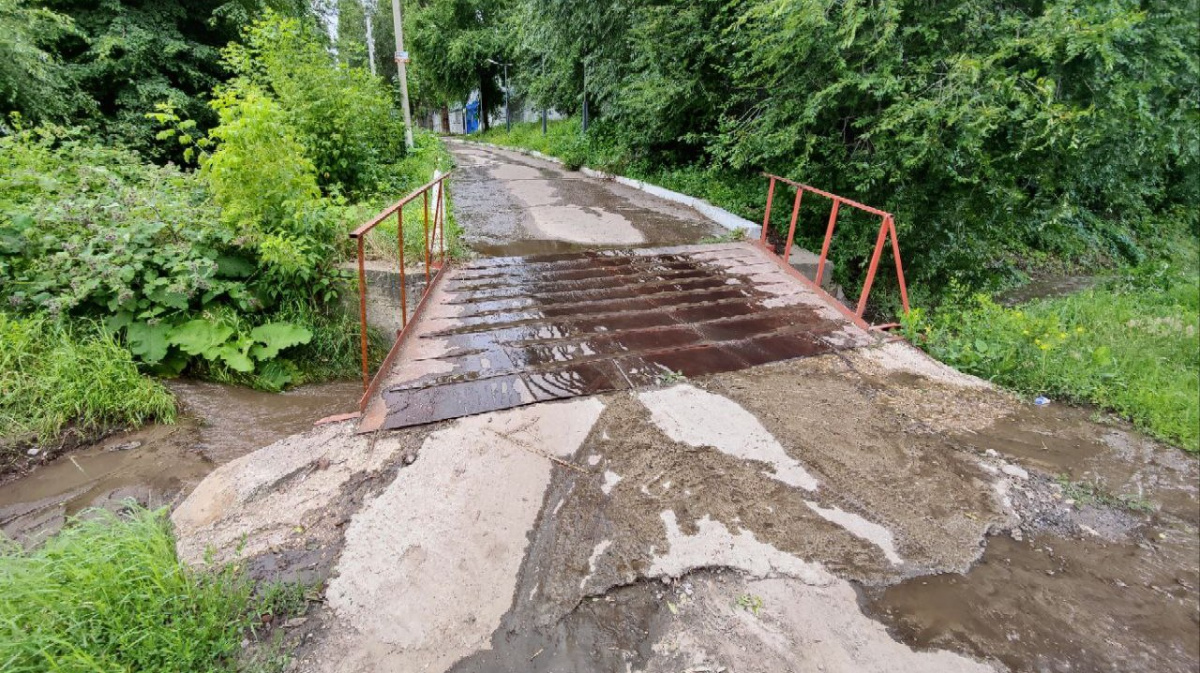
(471, 119)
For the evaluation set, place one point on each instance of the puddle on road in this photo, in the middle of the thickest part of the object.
(1055, 605)
(1057, 602)
(1063, 440)
(157, 463)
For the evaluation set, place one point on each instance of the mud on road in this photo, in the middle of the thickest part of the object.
(865, 511)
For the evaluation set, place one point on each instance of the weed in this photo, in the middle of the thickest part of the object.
(54, 375)
(109, 594)
(1093, 493)
(750, 603)
(731, 236)
(669, 376)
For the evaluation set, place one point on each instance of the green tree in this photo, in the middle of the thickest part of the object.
(455, 46)
(342, 115)
(31, 80)
(124, 56)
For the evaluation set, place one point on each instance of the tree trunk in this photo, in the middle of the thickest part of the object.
(445, 118)
(483, 101)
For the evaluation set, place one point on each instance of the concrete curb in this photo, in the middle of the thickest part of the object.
(718, 215)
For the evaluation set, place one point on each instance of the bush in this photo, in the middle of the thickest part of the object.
(92, 231)
(108, 594)
(343, 116)
(53, 376)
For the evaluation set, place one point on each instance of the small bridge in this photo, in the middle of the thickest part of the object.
(502, 332)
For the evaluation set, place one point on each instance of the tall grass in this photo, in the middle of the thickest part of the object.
(54, 375)
(109, 595)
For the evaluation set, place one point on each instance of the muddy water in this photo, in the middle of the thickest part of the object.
(1067, 441)
(1083, 587)
(1047, 288)
(157, 464)
(1055, 605)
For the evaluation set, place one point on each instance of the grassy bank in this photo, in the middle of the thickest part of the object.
(55, 375)
(1131, 346)
(108, 594)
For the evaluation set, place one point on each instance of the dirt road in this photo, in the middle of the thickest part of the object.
(866, 510)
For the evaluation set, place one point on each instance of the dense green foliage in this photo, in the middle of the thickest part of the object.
(109, 595)
(1003, 135)
(229, 270)
(1131, 345)
(53, 375)
(92, 231)
(104, 64)
(31, 80)
(343, 116)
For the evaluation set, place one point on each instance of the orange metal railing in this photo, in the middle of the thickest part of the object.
(433, 231)
(887, 227)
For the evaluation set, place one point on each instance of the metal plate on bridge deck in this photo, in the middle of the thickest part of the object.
(507, 331)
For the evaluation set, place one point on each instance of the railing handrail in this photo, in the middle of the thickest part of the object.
(887, 227)
(432, 269)
(374, 222)
(829, 195)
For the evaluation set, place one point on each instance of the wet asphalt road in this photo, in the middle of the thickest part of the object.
(511, 204)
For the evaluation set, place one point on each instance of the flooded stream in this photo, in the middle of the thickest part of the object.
(157, 464)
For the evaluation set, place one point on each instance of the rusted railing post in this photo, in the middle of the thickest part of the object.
(899, 265)
(403, 278)
(442, 235)
(866, 291)
(437, 214)
(825, 246)
(787, 247)
(362, 313)
(767, 216)
(425, 247)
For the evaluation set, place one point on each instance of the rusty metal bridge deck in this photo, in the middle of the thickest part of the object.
(503, 332)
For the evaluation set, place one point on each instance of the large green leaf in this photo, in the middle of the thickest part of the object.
(148, 342)
(200, 337)
(237, 360)
(276, 336)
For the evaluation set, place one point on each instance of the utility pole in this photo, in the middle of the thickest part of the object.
(402, 71)
(585, 107)
(368, 12)
(543, 102)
